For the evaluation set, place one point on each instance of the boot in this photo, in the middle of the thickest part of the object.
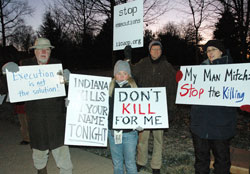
(156, 171)
(42, 171)
(139, 167)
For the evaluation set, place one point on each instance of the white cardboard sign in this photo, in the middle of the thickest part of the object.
(144, 107)
(87, 112)
(35, 82)
(216, 85)
(128, 25)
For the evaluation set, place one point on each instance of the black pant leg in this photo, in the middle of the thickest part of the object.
(221, 152)
(202, 155)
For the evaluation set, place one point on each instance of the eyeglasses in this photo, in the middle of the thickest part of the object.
(212, 50)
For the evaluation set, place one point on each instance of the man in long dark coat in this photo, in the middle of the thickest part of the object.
(46, 119)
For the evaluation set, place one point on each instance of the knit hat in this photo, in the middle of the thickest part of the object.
(122, 65)
(215, 43)
(154, 42)
(42, 43)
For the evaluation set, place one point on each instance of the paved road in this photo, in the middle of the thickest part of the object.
(17, 159)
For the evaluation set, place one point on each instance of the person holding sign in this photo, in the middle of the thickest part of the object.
(212, 127)
(122, 142)
(154, 71)
(46, 117)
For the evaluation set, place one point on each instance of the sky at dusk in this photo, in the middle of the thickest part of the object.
(173, 15)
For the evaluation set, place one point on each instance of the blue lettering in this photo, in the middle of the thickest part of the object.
(224, 92)
(231, 93)
(30, 76)
(14, 76)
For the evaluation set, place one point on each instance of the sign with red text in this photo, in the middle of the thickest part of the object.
(216, 85)
(87, 112)
(35, 82)
(128, 25)
(144, 107)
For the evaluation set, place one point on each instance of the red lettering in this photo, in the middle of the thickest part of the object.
(134, 106)
(194, 92)
(185, 89)
(140, 110)
(125, 108)
(191, 90)
(201, 92)
(149, 112)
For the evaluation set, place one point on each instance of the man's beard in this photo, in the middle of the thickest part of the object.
(43, 61)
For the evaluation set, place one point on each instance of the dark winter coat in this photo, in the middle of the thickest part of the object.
(3, 85)
(46, 118)
(159, 73)
(213, 122)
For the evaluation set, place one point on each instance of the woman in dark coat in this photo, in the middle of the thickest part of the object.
(213, 127)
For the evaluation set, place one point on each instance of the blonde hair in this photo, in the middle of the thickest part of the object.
(131, 82)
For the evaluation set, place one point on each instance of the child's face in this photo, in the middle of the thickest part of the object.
(121, 76)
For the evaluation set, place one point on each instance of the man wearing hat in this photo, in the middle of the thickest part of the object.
(212, 127)
(46, 117)
(154, 71)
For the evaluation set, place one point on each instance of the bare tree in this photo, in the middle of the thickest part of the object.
(11, 14)
(188, 33)
(200, 13)
(23, 37)
(79, 13)
(153, 9)
(171, 29)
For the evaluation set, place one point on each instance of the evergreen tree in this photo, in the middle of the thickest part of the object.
(226, 31)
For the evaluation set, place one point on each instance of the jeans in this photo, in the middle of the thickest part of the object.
(124, 152)
(220, 150)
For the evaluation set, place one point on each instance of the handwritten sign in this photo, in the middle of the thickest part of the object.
(217, 85)
(35, 82)
(87, 113)
(128, 18)
(145, 107)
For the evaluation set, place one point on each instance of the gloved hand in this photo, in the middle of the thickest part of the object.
(128, 53)
(11, 67)
(139, 128)
(178, 76)
(245, 108)
(66, 102)
(66, 73)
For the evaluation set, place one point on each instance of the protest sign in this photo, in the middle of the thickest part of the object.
(128, 25)
(144, 107)
(87, 112)
(35, 82)
(216, 85)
